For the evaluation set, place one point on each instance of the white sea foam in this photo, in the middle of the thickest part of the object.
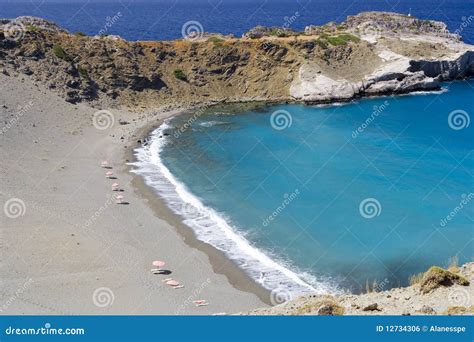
(429, 92)
(213, 228)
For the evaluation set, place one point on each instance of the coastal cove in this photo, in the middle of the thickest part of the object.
(321, 169)
(199, 139)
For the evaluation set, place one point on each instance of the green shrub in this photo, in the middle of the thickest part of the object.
(80, 34)
(216, 40)
(32, 28)
(60, 53)
(342, 39)
(323, 44)
(83, 72)
(180, 75)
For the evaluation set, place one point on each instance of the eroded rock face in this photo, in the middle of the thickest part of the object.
(397, 74)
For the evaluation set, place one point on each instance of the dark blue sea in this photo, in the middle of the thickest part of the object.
(164, 19)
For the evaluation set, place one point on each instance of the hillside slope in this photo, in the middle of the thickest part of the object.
(366, 55)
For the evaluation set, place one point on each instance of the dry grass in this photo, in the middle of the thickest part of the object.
(416, 278)
(323, 307)
(436, 277)
(458, 310)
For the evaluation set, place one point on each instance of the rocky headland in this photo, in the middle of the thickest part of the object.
(369, 54)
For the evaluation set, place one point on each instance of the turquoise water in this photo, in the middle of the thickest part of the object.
(333, 204)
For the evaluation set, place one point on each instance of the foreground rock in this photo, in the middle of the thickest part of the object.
(369, 54)
(450, 293)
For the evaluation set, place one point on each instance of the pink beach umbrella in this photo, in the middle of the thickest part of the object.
(172, 283)
(109, 174)
(158, 263)
(119, 199)
(201, 302)
(115, 187)
(104, 163)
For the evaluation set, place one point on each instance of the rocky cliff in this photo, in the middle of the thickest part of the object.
(369, 54)
(436, 292)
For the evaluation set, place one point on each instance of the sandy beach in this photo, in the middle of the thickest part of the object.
(67, 247)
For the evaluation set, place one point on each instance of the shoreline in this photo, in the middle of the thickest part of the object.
(237, 276)
(220, 263)
(71, 245)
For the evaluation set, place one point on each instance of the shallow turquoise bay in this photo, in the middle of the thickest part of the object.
(296, 192)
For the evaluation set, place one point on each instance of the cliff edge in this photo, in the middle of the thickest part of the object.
(368, 54)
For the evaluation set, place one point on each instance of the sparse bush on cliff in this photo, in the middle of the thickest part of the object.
(459, 310)
(80, 34)
(323, 307)
(60, 53)
(436, 277)
(322, 43)
(216, 40)
(416, 278)
(32, 28)
(342, 39)
(83, 72)
(180, 75)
